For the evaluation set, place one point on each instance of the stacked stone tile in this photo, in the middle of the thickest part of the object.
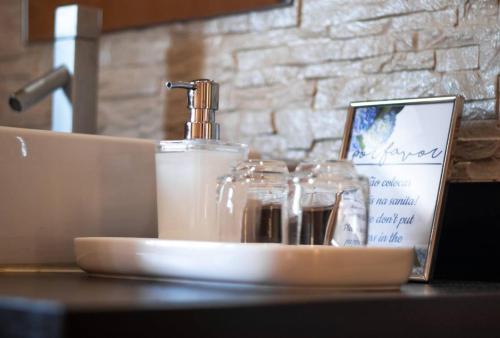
(287, 75)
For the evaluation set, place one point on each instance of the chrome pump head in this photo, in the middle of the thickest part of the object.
(203, 101)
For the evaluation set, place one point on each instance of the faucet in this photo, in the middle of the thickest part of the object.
(73, 81)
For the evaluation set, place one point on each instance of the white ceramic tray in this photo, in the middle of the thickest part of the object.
(263, 264)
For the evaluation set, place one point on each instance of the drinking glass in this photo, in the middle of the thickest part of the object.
(328, 204)
(252, 203)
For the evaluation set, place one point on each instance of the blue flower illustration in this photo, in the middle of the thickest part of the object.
(373, 126)
(363, 119)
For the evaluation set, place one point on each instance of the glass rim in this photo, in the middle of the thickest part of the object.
(260, 166)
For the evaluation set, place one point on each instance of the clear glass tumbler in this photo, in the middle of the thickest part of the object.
(329, 204)
(252, 203)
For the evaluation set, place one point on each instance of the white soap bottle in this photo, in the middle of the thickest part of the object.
(187, 170)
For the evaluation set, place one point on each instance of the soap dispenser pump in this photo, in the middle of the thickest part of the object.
(187, 170)
(203, 101)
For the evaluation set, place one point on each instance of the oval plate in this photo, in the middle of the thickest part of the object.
(256, 263)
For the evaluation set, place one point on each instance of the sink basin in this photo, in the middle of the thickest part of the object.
(57, 186)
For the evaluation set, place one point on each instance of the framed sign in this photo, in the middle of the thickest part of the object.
(404, 148)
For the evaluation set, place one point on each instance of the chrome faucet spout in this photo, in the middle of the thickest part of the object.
(73, 80)
(38, 89)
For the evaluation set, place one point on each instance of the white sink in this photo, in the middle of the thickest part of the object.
(56, 186)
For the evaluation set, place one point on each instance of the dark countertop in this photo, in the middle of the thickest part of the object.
(74, 304)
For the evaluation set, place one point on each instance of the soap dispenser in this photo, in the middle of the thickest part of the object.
(187, 170)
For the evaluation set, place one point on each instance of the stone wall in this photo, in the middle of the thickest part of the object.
(287, 75)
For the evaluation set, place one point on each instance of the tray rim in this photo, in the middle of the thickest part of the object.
(280, 253)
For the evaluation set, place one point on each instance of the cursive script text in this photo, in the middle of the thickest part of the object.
(393, 152)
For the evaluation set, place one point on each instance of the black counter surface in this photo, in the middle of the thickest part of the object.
(74, 304)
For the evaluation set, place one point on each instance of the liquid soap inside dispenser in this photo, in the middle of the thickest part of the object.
(187, 170)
